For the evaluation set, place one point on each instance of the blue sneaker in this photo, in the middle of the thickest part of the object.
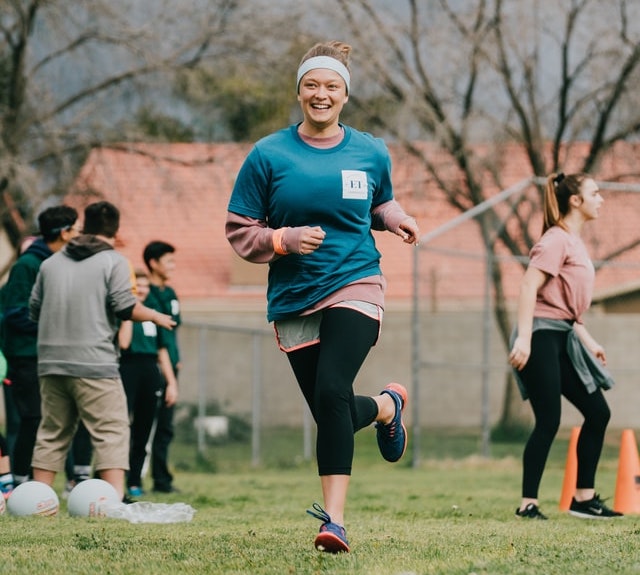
(6, 485)
(136, 491)
(332, 537)
(392, 437)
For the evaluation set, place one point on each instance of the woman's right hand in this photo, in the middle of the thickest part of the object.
(303, 240)
(520, 353)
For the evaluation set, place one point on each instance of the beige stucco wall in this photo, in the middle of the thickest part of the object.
(218, 365)
(450, 381)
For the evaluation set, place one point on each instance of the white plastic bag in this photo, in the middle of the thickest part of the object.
(148, 512)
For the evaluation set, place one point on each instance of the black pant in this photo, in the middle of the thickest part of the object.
(162, 477)
(325, 373)
(549, 374)
(12, 418)
(23, 374)
(4, 450)
(142, 384)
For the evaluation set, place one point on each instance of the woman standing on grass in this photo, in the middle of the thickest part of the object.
(553, 353)
(305, 202)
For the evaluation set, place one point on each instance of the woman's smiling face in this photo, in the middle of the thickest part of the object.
(322, 95)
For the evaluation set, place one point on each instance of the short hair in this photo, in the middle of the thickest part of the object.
(140, 273)
(101, 218)
(54, 220)
(155, 250)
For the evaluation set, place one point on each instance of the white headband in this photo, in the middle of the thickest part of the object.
(324, 62)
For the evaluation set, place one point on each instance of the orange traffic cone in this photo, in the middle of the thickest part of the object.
(627, 497)
(570, 471)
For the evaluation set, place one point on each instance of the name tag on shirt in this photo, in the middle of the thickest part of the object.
(354, 185)
(149, 329)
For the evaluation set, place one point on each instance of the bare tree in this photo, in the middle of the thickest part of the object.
(542, 74)
(247, 96)
(74, 71)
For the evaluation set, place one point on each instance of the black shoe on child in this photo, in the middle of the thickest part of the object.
(531, 511)
(592, 509)
(166, 489)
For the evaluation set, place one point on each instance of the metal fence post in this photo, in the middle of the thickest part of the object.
(202, 387)
(486, 352)
(257, 400)
(416, 360)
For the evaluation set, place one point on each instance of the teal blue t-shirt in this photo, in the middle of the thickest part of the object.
(286, 182)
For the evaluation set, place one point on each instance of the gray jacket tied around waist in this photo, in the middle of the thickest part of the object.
(590, 370)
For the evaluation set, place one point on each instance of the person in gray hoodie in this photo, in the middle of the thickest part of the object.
(80, 295)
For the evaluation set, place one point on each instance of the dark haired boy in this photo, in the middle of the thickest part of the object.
(58, 225)
(159, 258)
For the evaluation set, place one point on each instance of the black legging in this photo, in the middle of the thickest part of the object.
(548, 375)
(325, 373)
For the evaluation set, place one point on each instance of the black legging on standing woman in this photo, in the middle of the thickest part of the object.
(549, 374)
(325, 373)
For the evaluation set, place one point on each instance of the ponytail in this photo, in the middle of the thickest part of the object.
(558, 190)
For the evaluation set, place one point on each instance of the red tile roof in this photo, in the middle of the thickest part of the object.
(179, 193)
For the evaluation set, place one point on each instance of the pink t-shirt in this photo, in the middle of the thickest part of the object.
(568, 290)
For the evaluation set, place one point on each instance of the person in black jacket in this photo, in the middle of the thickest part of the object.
(58, 224)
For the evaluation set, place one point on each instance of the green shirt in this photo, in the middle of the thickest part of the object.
(146, 338)
(168, 303)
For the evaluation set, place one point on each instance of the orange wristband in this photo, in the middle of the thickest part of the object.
(277, 242)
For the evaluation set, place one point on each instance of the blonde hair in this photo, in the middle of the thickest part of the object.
(334, 49)
(140, 273)
(558, 191)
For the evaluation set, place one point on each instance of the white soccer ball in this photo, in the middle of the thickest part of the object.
(89, 497)
(33, 498)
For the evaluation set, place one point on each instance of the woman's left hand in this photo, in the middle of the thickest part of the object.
(591, 344)
(408, 230)
(598, 351)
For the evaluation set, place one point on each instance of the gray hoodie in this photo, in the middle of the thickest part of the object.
(78, 296)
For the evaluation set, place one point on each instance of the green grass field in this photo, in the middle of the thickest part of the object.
(452, 515)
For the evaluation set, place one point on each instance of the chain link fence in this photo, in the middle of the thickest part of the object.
(445, 347)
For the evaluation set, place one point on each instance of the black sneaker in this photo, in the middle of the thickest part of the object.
(592, 509)
(166, 489)
(531, 511)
